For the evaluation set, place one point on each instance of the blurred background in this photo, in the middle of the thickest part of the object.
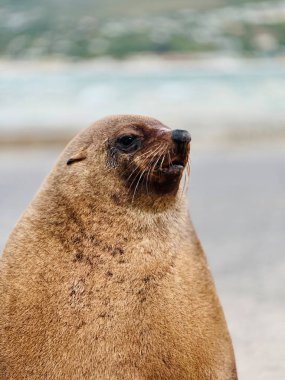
(214, 67)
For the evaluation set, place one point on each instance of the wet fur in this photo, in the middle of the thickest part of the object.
(93, 286)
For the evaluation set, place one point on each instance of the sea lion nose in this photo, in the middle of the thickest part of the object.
(180, 136)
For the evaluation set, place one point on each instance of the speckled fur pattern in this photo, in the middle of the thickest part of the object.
(94, 286)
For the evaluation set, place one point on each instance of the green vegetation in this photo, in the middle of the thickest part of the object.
(83, 29)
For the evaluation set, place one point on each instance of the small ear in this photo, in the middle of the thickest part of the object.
(77, 157)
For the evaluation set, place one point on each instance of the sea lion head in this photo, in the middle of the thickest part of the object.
(132, 157)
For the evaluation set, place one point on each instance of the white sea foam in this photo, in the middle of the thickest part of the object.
(213, 95)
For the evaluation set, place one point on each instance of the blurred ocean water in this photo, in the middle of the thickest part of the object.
(210, 97)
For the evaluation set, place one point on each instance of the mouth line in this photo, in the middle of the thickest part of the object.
(168, 164)
(178, 163)
(174, 168)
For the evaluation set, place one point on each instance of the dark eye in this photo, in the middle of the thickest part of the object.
(126, 140)
(128, 143)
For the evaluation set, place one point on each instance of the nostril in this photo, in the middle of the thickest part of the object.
(181, 136)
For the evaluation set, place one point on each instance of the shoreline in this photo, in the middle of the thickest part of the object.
(219, 99)
(142, 61)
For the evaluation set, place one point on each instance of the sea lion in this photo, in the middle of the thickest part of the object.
(104, 277)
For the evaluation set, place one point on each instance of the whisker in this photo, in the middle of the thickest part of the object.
(163, 158)
(169, 158)
(153, 149)
(188, 168)
(148, 174)
(132, 173)
(138, 167)
(156, 162)
(137, 185)
(147, 179)
(151, 169)
(184, 182)
(134, 179)
(149, 151)
(150, 162)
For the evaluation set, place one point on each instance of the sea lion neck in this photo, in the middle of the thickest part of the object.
(93, 215)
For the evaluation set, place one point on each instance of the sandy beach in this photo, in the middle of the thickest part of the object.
(238, 207)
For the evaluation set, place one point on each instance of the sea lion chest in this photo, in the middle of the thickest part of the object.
(117, 303)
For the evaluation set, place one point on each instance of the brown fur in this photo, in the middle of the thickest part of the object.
(97, 285)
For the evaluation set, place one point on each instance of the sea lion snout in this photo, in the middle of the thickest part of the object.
(181, 146)
(180, 136)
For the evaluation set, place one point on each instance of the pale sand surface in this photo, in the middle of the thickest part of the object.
(237, 201)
